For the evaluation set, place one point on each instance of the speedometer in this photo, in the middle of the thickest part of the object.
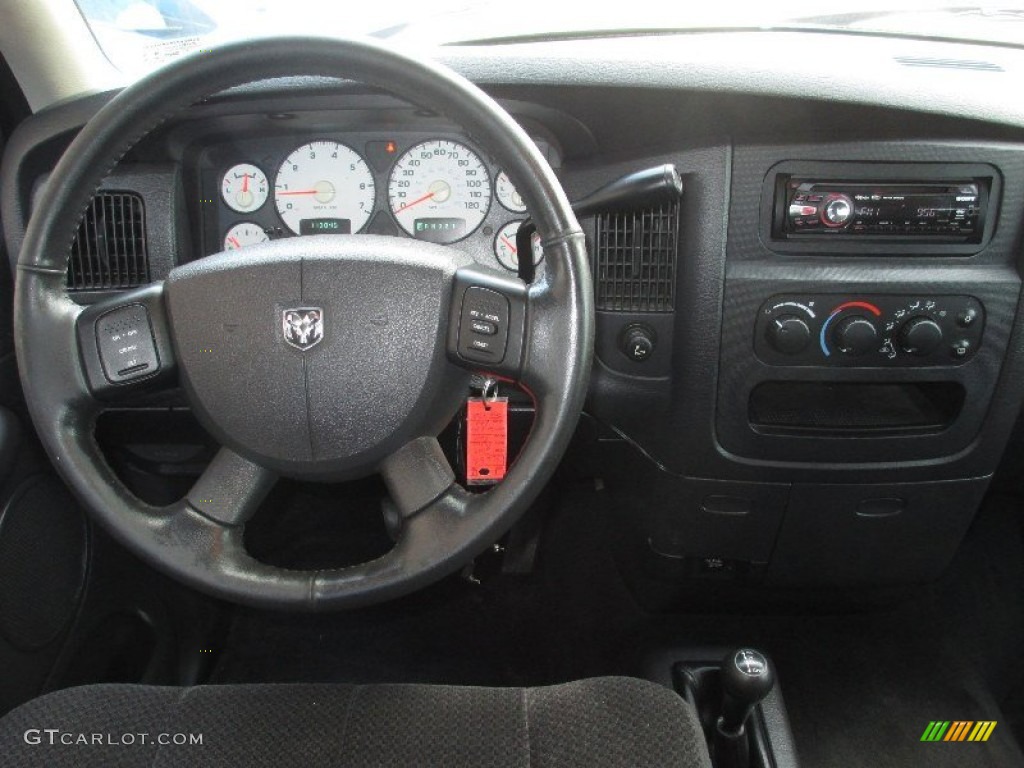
(324, 186)
(439, 191)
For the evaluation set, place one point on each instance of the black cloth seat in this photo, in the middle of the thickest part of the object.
(595, 723)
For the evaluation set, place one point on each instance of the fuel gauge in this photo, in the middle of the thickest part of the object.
(243, 234)
(244, 188)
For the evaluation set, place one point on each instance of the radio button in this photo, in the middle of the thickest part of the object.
(801, 209)
(837, 211)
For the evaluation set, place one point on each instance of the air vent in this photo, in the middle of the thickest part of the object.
(635, 260)
(109, 251)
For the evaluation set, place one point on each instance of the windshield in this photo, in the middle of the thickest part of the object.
(139, 35)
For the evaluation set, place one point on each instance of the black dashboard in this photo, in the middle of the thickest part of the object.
(820, 408)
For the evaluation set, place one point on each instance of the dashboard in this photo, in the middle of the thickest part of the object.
(832, 358)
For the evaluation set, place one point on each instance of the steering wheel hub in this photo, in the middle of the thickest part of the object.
(318, 356)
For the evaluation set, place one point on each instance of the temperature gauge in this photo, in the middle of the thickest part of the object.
(243, 234)
(244, 188)
(505, 246)
(508, 195)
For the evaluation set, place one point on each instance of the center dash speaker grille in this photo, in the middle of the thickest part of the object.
(109, 250)
(635, 260)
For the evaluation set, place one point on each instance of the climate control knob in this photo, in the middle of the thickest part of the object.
(788, 334)
(920, 336)
(855, 335)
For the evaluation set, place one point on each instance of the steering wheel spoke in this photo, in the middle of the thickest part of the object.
(416, 475)
(230, 489)
(124, 343)
(487, 321)
(501, 326)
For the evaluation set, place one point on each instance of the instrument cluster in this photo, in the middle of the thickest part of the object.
(438, 189)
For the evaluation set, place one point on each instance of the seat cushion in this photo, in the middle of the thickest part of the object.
(601, 722)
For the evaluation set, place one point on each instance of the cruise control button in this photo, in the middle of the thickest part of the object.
(483, 327)
(126, 345)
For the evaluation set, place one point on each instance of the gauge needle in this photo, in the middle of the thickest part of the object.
(505, 240)
(235, 241)
(298, 192)
(417, 201)
(245, 182)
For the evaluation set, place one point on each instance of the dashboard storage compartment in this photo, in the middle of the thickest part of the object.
(873, 535)
(854, 409)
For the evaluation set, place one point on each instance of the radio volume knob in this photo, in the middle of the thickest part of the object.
(788, 334)
(920, 336)
(837, 211)
(855, 335)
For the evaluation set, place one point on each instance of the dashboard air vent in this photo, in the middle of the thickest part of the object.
(109, 251)
(635, 260)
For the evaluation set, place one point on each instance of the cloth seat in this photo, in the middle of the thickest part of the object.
(604, 722)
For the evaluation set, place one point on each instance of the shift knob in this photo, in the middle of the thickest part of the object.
(747, 678)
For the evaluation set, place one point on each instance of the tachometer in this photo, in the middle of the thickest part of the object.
(439, 191)
(324, 181)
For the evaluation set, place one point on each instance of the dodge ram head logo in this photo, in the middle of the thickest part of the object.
(303, 326)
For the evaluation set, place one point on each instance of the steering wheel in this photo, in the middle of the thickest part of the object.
(391, 363)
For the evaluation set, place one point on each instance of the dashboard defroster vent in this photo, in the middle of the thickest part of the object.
(635, 260)
(109, 251)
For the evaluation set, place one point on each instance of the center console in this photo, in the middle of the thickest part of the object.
(847, 368)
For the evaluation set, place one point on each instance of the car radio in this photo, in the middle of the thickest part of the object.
(935, 211)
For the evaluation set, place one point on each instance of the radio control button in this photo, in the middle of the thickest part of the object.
(802, 209)
(837, 211)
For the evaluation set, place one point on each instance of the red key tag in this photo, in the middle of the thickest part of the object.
(486, 440)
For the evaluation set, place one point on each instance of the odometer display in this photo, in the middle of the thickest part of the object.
(324, 180)
(325, 227)
(440, 191)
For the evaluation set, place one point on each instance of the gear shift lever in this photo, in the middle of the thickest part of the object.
(747, 678)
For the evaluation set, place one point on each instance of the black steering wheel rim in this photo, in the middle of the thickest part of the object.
(443, 527)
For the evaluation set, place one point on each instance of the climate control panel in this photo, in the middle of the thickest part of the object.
(869, 330)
